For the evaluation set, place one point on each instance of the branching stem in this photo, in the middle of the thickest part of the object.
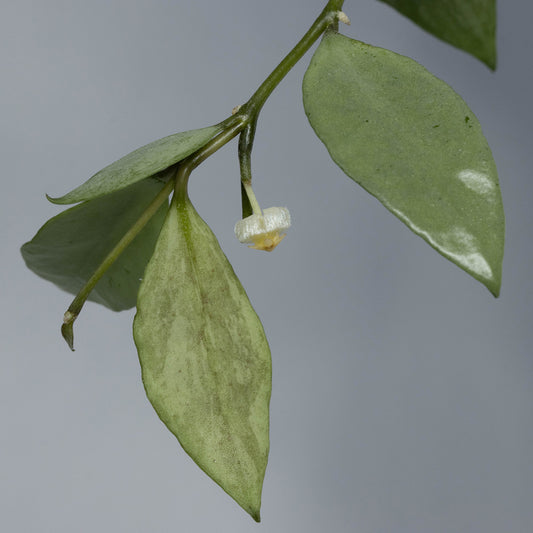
(80, 299)
(243, 122)
(252, 108)
(328, 17)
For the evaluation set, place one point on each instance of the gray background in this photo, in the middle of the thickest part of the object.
(403, 392)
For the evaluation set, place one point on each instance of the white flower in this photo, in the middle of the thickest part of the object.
(266, 231)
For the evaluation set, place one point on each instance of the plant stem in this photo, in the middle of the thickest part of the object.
(244, 122)
(245, 119)
(233, 126)
(256, 209)
(77, 304)
(328, 17)
(246, 141)
(325, 19)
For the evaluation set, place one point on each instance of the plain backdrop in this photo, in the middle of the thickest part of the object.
(402, 390)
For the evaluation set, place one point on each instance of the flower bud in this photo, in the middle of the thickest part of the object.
(266, 231)
(343, 17)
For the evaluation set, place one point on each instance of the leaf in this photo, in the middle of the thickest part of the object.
(70, 246)
(467, 24)
(205, 360)
(413, 143)
(140, 164)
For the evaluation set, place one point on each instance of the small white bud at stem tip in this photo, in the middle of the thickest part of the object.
(68, 317)
(343, 17)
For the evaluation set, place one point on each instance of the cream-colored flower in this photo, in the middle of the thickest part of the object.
(264, 231)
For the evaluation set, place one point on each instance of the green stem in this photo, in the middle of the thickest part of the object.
(246, 141)
(327, 18)
(256, 209)
(77, 304)
(243, 121)
(232, 127)
(324, 20)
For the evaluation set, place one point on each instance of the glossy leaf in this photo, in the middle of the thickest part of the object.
(204, 356)
(70, 246)
(467, 24)
(140, 164)
(412, 142)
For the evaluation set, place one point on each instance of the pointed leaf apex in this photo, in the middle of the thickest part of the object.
(494, 287)
(197, 333)
(51, 199)
(67, 329)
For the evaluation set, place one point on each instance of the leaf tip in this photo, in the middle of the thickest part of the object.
(489, 60)
(256, 515)
(67, 328)
(56, 200)
(494, 289)
(493, 283)
(251, 502)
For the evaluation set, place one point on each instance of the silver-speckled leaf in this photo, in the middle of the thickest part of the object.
(70, 246)
(140, 164)
(205, 360)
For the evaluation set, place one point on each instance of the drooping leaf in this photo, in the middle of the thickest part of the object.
(413, 143)
(140, 164)
(467, 24)
(204, 356)
(70, 246)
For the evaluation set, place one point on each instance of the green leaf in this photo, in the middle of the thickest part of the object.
(205, 360)
(70, 246)
(467, 24)
(140, 164)
(413, 143)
